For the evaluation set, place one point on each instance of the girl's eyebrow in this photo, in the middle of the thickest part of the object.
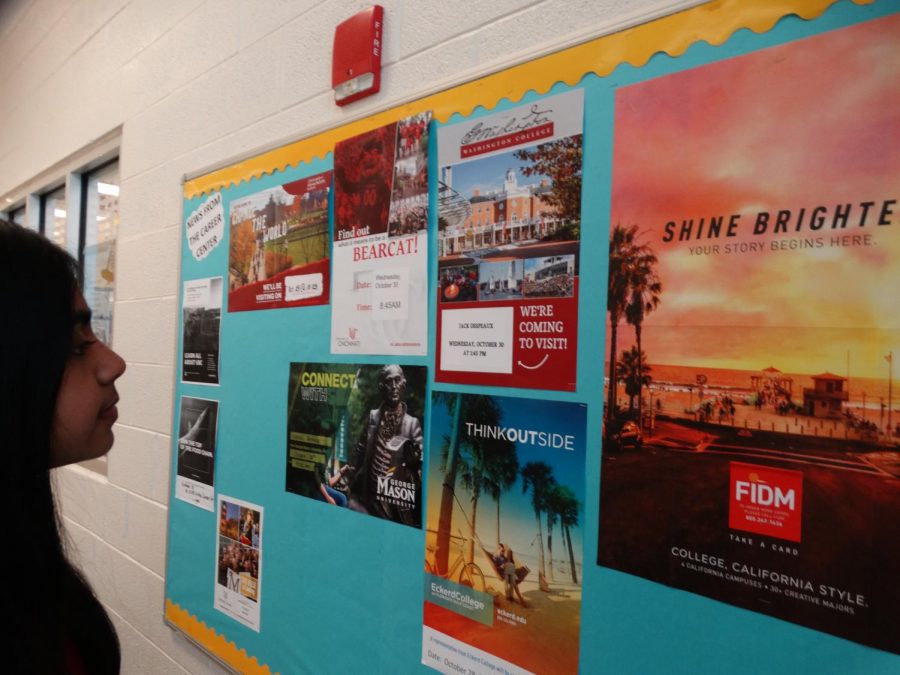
(82, 317)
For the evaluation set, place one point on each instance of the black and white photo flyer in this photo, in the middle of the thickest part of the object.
(197, 452)
(239, 561)
(202, 307)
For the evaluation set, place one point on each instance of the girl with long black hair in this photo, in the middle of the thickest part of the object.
(57, 406)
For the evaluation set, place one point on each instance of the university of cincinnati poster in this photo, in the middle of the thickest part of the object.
(752, 422)
(503, 544)
(381, 240)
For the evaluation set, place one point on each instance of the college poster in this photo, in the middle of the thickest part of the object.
(752, 414)
(202, 312)
(509, 225)
(238, 587)
(278, 247)
(503, 544)
(195, 470)
(354, 437)
(381, 240)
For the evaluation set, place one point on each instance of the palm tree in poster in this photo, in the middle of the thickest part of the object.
(634, 373)
(453, 402)
(552, 507)
(539, 477)
(481, 457)
(502, 473)
(626, 258)
(568, 518)
(621, 245)
(646, 288)
(474, 457)
(467, 459)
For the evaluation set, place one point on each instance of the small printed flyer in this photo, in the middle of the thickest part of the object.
(509, 230)
(195, 471)
(202, 307)
(204, 229)
(239, 561)
(503, 542)
(381, 240)
(355, 437)
(278, 251)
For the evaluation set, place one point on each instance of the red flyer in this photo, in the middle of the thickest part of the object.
(509, 225)
(278, 252)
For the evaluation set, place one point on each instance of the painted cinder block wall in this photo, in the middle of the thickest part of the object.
(188, 84)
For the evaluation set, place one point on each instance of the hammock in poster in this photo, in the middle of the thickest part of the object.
(469, 573)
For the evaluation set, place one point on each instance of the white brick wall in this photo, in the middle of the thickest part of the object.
(191, 83)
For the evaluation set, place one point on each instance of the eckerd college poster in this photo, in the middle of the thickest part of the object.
(503, 547)
(752, 421)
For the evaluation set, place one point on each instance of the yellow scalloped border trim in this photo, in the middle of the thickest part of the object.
(713, 22)
(214, 643)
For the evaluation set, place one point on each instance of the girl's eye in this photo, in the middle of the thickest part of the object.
(82, 347)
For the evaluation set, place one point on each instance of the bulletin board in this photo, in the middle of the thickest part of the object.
(734, 500)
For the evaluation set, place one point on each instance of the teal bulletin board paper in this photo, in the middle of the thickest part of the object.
(342, 592)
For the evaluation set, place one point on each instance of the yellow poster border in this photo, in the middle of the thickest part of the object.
(217, 645)
(713, 22)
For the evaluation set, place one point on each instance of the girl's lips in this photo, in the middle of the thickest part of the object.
(110, 412)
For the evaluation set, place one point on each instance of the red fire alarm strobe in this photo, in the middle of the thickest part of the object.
(356, 60)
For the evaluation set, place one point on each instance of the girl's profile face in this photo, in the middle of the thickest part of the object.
(86, 402)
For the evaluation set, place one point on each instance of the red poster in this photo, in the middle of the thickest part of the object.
(509, 225)
(278, 252)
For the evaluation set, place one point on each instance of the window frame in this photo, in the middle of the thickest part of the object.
(72, 174)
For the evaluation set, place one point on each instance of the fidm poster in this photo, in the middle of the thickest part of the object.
(202, 313)
(752, 417)
(381, 240)
(278, 247)
(355, 437)
(503, 553)
(509, 228)
(195, 470)
(238, 587)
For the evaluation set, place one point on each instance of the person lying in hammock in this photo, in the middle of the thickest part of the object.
(505, 564)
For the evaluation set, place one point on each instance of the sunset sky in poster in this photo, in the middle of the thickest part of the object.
(815, 122)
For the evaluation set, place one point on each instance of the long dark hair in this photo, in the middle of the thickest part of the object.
(57, 617)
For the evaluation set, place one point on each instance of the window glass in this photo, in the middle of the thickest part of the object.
(53, 205)
(101, 227)
(17, 216)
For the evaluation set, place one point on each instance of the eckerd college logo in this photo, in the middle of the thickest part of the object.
(766, 501)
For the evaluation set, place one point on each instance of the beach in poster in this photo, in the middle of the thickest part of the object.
(202, 312)
(278, 246)
(381, 240)
(238, 575)
(751, 444)
(509, 229)
(503, 544)
(195, 470)
(354, 437)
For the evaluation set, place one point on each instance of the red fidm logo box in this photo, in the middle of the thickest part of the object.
(766, 501)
